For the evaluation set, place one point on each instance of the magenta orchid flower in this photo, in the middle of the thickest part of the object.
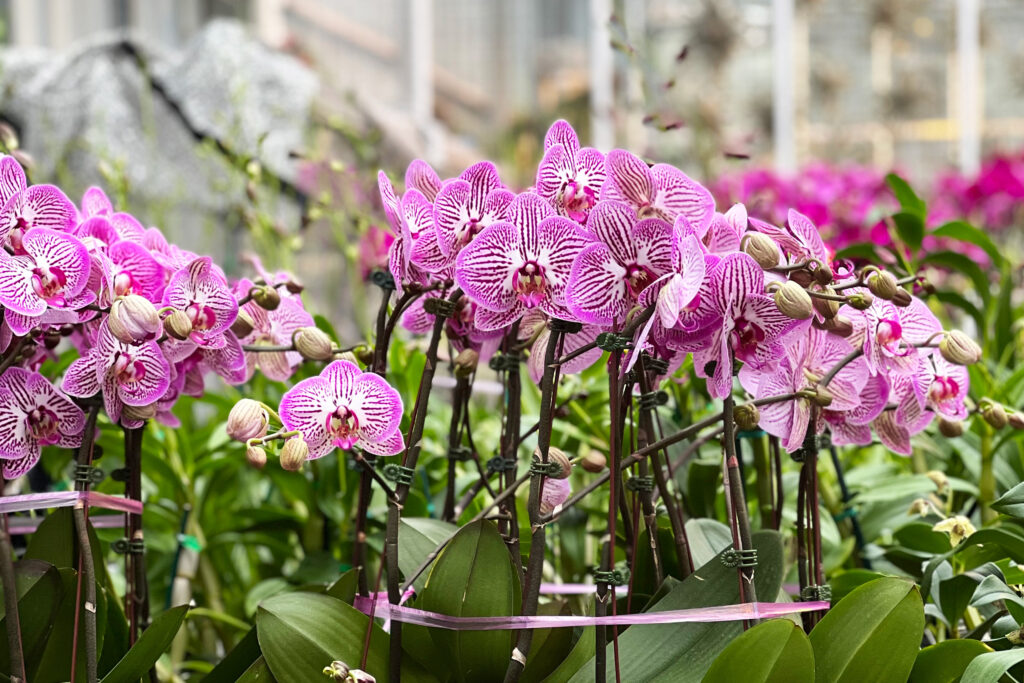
(203, 294)
(531, 326)
(128, 375)
(129, 268)
(660, 191)
(95, 203)
(939, 387)
(467, 205)
(889, 333)
(799, 238)
(853, 427)
(742, 322)
(895, 428)
(520, 264)
(344, 407)
(807, 359)
(51, 272)
(273, 328)
(422, 177)
(461, 328)
(726, 230)
(400, 256)
(569, 177)
(27, 207)
(34, 414)
(628, 256)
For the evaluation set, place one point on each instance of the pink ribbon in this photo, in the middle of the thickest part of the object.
(60, 499)
(745, 611)
(567, 588)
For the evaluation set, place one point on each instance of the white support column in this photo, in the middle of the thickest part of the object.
(783, 92)
(26, 18)
(419, 30)
(635, 17)
(270, 22)
(602, 76)
(968, 72)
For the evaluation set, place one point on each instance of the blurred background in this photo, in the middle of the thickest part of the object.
(258, 124)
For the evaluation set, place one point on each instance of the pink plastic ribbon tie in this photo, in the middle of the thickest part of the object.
(745, 611)
(60, 499)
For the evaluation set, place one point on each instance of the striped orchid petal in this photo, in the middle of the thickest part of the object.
(422, 177)
(202, 293)
(425, 251)
(229, 361)
(34, 414)
(892, 434)
(389, 200)
(612, 222)
(12, 469)
(139, 373)
(12, 178)
(377, 406)
(486, 267)
(558, 241)
(628, 179)
(679, 195)
(597, 290)
(97, 233)
(95, 203)
(561, 133)
(489, 321)
(526, 212)
(54, 270)
(133, 270)
(482, 178)
(129, 228)
(305, 408)
(37, 206)
(393, 445)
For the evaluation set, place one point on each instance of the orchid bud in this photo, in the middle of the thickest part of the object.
(762, 249)
(294, 286)
(139, 413)
(959, 349)
(839, 325)
(256, 457)
(293, 454)
(994, 413)
(822, 396)
(747, 417)
(557, 456)
(860, 301)
(364, 354)
(340, 673)
(312, 343)
(347, 356)
(51, 338)
(939, 478)
(883, 284)
(266, 297)
(826, 308)
(243, 325)
(902, 298)
(466, 362)
(1015, 419)
(178, 325)
(921, 507)
(594, 462)
(823, 275)
(553, 494)
(247, 420)
(793, 301)
(950, 428)
(133, 319)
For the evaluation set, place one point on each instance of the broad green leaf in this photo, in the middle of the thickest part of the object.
(148, 648)
(40, 592)
(965, 232)
(1011, 503)
(300, 633)
(56, 542)
(682, 653)
(54, 664)
(236, 662)
(963, 264)
(996, 543)
(906, 196)
(550, 646)
(992, 589)
(955, 595)
(258, 672)
(776, 651)
(474, 577)
(844, 582)
(417, 538)
(707, 538)
(863, 250)
(990, 666)
(945, 662)
(910, 228)
(582, 652)
(954, 299)
(873, 634)
(895, 488)
(1004, 313)
(345, 587)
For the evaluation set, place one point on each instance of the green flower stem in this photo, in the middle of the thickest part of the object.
(987, 481)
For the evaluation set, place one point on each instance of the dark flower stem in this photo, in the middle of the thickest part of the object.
(138, 597)
(409, 459)
(460, 404)
(86, 568)
(510, 446)
(538, 534)
(737, 502)
(858, 534)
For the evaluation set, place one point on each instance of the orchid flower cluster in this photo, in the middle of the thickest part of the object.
(601, 238)
(149, 319)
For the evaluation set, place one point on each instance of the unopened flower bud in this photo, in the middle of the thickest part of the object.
(826, 308)
(556, 455)
(340, 673)
(762, 249)
(793, 301)
(839, 325)
(860, 301)
(883, 284)
(266, 297)
(364, 354)
(921, 507)
(594, 462)
(293, 454)
(178, 325)
(294, 286)
(312, 343)
(248, 419)
(956, 347)
(139, 413)
(950, 428)
(347, 355)
(902, 298)
(994, 413)
(51, 338)
(1015, 419)
(553, 494)
(256, 457)
(133, 319)
(466, 362)
(747, 417)
(823, 275)
(243, 325)
(822, 396)
(939, 478)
